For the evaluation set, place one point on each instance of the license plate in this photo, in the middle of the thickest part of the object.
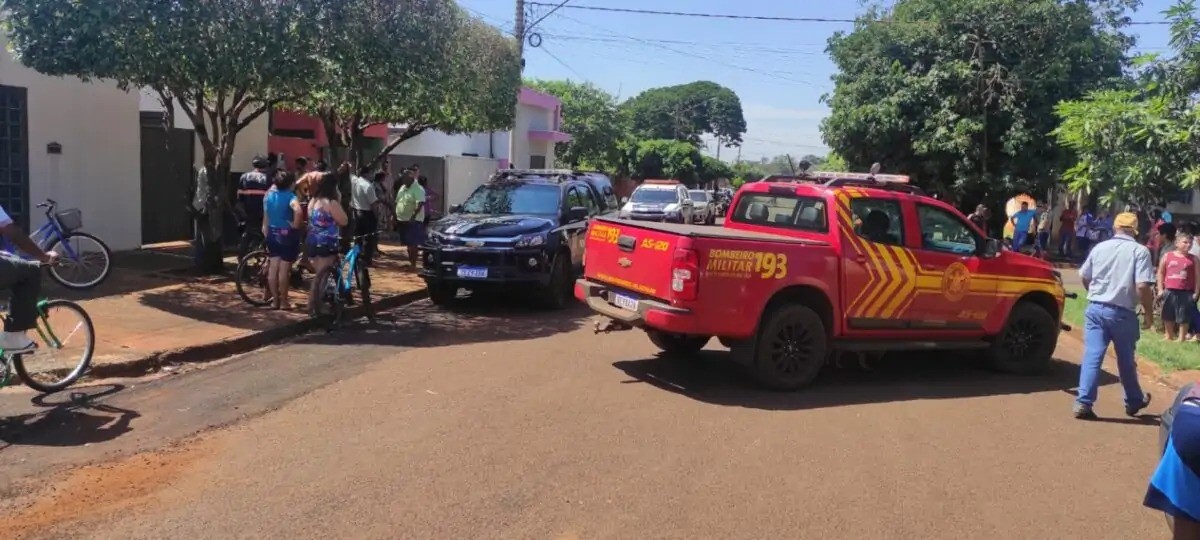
(625, 302)
(472, 272)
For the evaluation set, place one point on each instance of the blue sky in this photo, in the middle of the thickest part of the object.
(778, 69)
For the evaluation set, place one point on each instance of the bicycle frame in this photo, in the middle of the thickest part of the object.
(44, 331)
(44, 237)
(347, 278)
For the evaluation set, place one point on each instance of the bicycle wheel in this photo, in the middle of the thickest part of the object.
(329, 299)
(251, 278)
(66, 339)
(85, 261)
(363, 276)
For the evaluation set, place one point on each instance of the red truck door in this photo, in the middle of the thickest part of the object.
(953, 293)
(878, 270)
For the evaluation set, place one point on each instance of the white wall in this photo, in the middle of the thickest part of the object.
(99, 169)
(1190, 209)
(438, 144)
(251, 141)
(464, 174)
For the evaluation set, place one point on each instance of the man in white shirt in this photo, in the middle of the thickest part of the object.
(23, 279)
(363, 202)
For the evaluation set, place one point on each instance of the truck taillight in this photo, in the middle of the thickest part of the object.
(685, 274)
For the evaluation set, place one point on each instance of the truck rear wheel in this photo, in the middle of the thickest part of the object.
(1027, 342)
(791, 348)
(677, 344)
(560, 290)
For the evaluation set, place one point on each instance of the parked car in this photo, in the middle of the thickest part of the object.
(521, 229)
(659, 200)
(858, 263)
(704, 208)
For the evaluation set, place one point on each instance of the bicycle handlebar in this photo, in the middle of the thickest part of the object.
(48, 204)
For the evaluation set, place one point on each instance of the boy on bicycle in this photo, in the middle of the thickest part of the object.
(23, 279)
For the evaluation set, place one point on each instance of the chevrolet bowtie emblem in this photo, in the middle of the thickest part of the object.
(474, 243)
(624, 262)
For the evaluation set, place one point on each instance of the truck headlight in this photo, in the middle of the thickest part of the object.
(531, 240)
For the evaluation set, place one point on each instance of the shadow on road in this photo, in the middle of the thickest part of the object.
(712, 378)
(72, 417)
(471, 320)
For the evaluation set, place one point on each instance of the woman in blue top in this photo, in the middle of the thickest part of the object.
(325, 219)
(282, 218)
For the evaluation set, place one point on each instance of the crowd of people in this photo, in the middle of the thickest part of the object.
(300, 216)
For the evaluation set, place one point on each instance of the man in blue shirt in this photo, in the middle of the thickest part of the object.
(1175, 485)
(1021, 222)
(1118, 275)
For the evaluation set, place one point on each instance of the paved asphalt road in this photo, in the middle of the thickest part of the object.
(502, 423)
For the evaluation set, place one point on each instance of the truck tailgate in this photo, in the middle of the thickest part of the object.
(637, 256)
(624, 255)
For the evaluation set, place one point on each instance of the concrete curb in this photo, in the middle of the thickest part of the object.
(217, 350)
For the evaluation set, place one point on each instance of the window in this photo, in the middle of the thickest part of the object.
(513, 198)
(878, 220)
(782, 211)
(582, 196)
(943, 231)
(610, 198)
(537, 162)
(654, 196)
(698, 195)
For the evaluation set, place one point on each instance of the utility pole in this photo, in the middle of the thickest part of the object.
(519, 33)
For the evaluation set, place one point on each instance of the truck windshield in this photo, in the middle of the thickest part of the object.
(513, 198)
(654, 196)
(782, 211)
(698, 195)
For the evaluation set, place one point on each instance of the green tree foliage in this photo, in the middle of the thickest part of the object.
(1138, 142)
(686, 112)
(712, 169)
(422, 64)
(834, 163)
(590, 116)
(960, 93)
(747, 171)
(666, 158)
(223, 62)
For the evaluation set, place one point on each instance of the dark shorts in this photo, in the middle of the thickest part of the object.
(1178, 306)
(414, 233)
(283, 242)
(320, 250)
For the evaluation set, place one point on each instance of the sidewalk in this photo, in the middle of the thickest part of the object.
(152, 312)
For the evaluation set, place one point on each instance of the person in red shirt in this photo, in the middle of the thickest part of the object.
(1066, 229)
(1179, 277)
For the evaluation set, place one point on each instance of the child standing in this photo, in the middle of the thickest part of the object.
(1179, 277)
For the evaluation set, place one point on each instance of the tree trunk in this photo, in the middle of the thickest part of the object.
(210, 224)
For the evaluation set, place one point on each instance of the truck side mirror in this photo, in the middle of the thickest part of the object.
(577, 213)
(455, 208)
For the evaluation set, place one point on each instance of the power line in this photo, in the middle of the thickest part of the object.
(561, 63)
(754, 17)
(685, 53)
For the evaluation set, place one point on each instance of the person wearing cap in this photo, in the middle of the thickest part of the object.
(252, 187)
(1118, 275)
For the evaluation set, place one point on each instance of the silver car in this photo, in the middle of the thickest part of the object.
(704, 208)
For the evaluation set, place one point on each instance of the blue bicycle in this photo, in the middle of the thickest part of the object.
(336, 283)
(85, 261)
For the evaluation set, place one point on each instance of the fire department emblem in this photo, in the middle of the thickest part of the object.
(956, 282)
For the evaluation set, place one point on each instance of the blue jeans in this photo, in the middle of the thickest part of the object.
(1104, 324)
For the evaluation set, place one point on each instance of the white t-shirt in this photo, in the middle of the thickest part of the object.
(5, 220)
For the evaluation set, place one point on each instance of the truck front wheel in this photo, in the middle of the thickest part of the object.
(1026, 343)
(791, 348)
(677, 344)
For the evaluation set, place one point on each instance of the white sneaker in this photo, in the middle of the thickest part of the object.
(16, 342)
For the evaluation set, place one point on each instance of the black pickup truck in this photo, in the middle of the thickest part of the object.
(521, 229)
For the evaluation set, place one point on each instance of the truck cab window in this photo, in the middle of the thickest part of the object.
(575, 198)
(878, 220)
(945, 232)
(782, 211)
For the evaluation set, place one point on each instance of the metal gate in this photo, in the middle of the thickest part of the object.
(167, 156)
(14, 154)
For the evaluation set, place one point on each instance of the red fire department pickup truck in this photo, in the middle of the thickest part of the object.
(861, 263)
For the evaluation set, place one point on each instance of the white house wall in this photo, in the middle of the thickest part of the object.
(464, 174)
(485, 145)
(251, 141)
(99, 169)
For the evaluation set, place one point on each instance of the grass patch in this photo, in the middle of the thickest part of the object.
(1152, 346)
